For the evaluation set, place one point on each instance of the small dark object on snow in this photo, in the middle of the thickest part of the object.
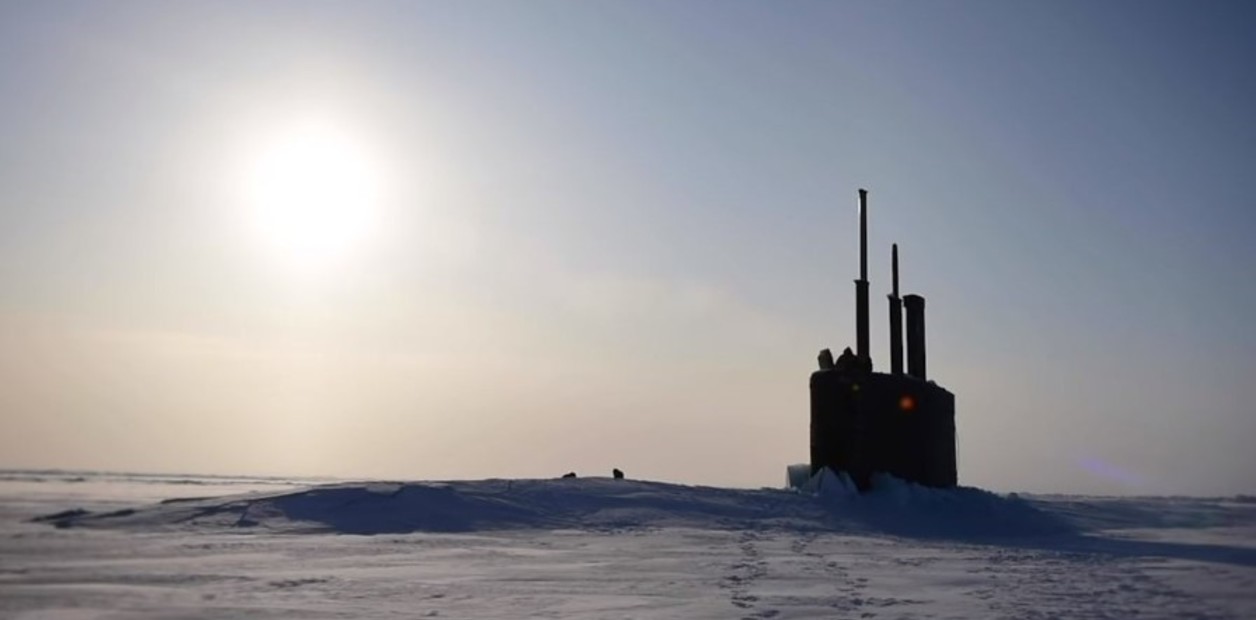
(619, 475)
(570, 474)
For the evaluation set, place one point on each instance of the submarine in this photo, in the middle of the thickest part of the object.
(865, 422)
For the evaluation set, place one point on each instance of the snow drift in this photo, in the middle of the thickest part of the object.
(826, 503)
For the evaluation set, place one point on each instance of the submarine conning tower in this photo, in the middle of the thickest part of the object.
(865, 422)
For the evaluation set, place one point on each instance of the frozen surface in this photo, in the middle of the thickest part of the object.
(268, 548)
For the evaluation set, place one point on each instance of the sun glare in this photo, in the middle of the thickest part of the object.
(312, 193)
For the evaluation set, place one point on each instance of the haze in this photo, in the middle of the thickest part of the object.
(557, 236)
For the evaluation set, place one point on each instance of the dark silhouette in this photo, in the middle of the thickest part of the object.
(619, 475)
(846, 362)
(825, 359)
(863, 422)
(896, 318)
(570, 474)
(861, 285)
(916, 336)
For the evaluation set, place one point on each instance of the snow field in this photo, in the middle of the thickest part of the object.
(595, 548)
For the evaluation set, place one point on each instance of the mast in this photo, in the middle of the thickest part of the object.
(896, 319)
(861, 286)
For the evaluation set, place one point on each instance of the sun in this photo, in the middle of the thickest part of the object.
(312, 193)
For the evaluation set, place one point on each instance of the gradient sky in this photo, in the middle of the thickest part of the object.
(616, 234)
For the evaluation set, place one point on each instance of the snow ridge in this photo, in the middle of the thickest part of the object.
(828, 502)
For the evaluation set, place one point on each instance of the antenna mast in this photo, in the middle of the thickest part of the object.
(861, 285)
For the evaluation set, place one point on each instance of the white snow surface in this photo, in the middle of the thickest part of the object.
(75, 545)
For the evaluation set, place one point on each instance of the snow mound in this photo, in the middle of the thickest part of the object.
(828, 503)
(465, 506)
(907, 509)
(831, 486)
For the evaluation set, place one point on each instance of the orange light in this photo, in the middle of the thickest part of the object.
(907, 403)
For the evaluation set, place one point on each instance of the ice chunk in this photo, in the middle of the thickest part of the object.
(797, 475)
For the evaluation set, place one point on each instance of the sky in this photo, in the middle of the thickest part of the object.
(431, 240)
